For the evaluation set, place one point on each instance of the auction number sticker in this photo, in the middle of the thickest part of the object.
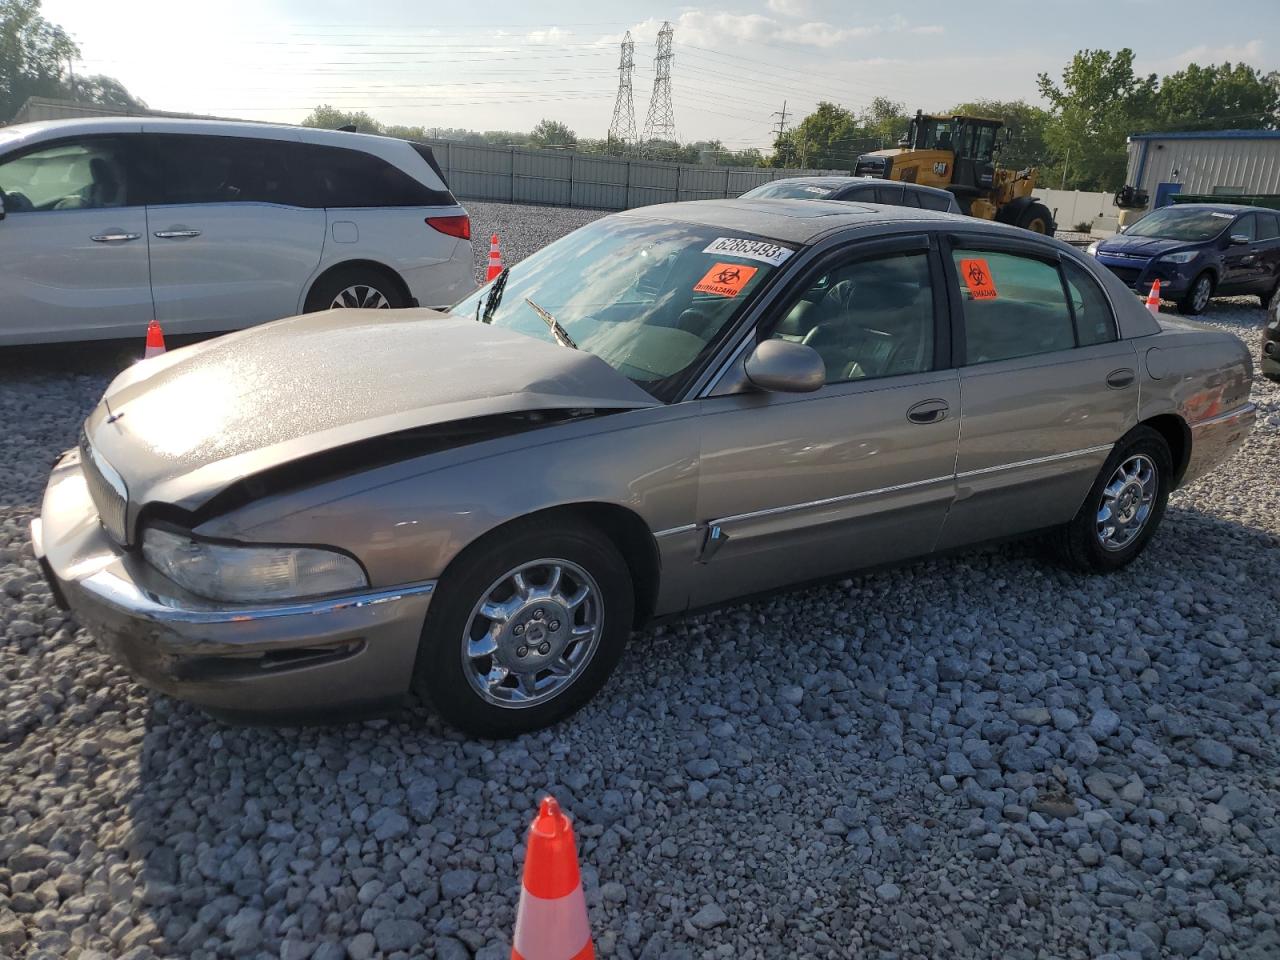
(977, 277)
(749, 249)
(725, 279)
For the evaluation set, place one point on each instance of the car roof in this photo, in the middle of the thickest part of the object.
(837, 181)
(796, 221)
(1220, 207)
(51, 129)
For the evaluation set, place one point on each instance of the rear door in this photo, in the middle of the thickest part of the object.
(73, 243)
(1048, 388)
(232, 243)
(1268, 252)
(805, 485)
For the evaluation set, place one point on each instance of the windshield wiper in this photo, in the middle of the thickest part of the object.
(557, 331)
(494, 298)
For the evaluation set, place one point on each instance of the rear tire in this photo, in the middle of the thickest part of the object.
(356, 287)
(1037, 218)
(1139, 467)
(1197, 297)
(536, 670)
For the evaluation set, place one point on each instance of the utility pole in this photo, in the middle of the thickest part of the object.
(782, 128)
(1064, 168)
(660, 124)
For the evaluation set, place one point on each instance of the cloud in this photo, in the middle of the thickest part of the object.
(1250, 52)
(552, 35)
(726, 28)
(791, 8)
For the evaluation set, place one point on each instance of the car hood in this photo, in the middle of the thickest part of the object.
(181, 427)
(1143, 246)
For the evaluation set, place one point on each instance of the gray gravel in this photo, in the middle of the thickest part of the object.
(980, 756)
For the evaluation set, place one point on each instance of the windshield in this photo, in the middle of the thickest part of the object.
(1174, 223)
(788, 190)
(648, 297)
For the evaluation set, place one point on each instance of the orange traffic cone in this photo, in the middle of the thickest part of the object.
(495, 258)
(1153, 298)
(155, 340)
(551, 923)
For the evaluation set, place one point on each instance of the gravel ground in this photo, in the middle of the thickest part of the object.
(980, 756)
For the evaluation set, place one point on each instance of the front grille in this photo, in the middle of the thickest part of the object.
(106, 490)
(1128, 274)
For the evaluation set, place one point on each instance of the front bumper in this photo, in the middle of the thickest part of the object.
(327, 658)
(1216, 439)
(1137, 274)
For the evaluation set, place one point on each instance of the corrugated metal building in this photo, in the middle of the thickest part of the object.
(1217, 162)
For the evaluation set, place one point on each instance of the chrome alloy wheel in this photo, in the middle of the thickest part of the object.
(533, 633)
(360, 295)
(1200, 296)
(1127, 501)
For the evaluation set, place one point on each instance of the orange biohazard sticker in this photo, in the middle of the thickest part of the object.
(725, 279)
(977, 277)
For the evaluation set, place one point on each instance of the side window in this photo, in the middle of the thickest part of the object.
(1013, 306)
(931, 201)
(213, 169)
(1095, 322)
(1244, 227)
(1268, 226)
(82, 175)
(871, 318)
(337, 177)
(889, 194)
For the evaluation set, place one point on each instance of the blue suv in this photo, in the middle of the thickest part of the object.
(1198, 251)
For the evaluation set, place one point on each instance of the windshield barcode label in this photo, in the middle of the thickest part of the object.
(749, 249)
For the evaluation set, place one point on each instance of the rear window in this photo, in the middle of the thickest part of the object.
(1268, 226)
(338, 177)
(932, 201)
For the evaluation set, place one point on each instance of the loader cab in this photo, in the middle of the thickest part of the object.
(976, 141)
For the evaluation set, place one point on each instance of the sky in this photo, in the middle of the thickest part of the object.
(503, 64)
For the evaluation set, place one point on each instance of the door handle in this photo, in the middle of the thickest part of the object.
(114, 237)
(1118, 379)
(176, 234)
(929, 411)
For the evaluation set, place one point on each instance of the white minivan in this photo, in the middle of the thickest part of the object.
(213, 225)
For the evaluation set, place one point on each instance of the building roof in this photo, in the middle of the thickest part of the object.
(1209, 135)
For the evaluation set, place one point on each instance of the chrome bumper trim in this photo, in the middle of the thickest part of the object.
(127, 597)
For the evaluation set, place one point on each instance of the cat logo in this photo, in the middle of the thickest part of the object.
(940, 168)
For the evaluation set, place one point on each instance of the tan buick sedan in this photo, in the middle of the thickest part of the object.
(669, 408)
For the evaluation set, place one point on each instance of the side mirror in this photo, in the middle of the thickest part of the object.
(1239, 239)
(781, 366)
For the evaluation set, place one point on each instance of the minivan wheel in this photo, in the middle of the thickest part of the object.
(525, 627)
(355, 288)
(1124, 506)
(1197, 296)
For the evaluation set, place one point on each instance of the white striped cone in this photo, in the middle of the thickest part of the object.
(495, 258)
(551, 923)
(1153, 298)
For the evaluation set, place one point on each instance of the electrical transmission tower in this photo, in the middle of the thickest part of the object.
(623, 126)
(660, 124)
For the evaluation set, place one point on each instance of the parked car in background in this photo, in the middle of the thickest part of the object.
(865, 189)
(212, 226)
(679, 405)
(1198, 251)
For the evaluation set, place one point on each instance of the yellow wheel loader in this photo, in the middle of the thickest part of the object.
(961, 154)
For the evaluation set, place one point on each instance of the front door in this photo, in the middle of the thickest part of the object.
(73, 243)
(1048, 389)
(806, 485)
(230, 246)
(1240, 261)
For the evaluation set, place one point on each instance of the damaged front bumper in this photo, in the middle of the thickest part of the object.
(326, 658)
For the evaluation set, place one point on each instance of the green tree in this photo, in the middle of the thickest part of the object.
(326, 117)
(552, 133)
(103, 91)
(1224, 97)
(1099, 103)
(884, 120)
(826, 138)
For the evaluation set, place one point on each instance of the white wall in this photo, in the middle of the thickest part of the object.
(1074, 206)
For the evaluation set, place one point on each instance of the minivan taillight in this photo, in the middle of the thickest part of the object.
(459, 227)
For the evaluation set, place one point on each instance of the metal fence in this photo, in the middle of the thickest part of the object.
(564, 179)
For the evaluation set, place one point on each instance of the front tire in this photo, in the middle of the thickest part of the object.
(1037, 218)
(526, 626)
(1124, 507)
(1197, 297)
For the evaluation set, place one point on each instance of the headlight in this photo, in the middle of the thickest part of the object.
(1092, 249)
(1185, 256)
(221, 572)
